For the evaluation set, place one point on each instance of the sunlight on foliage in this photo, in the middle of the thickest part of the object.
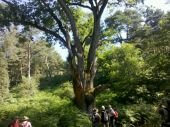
(51, 108)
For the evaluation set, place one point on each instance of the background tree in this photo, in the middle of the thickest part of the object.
(122, 67)
(124, 25)
(151, 37)
(10, 41)
(132, 24)
(156, 54)
(18, 47)
(4, 79)
(46, 62)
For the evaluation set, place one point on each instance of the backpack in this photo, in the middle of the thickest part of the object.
(25, 124)
(96, 118)
(116, 115)
(15, 123)
(106, 117)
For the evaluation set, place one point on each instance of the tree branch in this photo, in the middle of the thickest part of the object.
(81, 5)
(73, 25)
(80, 51)
(54, 16)
(91, 3)
(7, 2)
(100, 88)
(66, 34)
(102, 7)
(45, 30)
(33, 23)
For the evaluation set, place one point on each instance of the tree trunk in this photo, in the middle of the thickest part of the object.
(83, 89)
(48, 71)
(29, 60)
(84, 97)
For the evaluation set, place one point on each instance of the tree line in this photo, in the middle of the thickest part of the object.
(23, 59)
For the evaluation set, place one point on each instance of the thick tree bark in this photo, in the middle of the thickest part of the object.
(84, 97)
(83, 89)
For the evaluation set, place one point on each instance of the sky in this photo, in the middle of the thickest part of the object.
(161, 4)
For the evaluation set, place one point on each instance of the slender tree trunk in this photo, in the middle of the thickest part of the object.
(48, 71)
(29, 60)
(21, 69)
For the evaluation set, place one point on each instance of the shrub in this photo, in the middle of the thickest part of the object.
(138, 115)
(48, 108)
(27, 87)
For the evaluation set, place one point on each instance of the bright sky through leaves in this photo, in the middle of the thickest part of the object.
(162, 4)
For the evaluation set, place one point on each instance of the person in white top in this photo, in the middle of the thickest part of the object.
(111, 116)
(26, 122)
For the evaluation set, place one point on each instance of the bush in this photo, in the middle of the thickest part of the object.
(65, 90)
(27, 87)
(137, 115)
(48, 108)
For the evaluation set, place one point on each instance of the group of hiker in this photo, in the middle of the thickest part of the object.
(20, 123)
(107, 117)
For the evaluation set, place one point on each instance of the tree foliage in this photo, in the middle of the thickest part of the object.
(29, 57)
(125, 24)
(156, 53)
(4, 79)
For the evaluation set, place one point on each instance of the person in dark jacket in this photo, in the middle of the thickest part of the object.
(104, 117)
(96, 118)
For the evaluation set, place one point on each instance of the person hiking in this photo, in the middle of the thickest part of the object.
(26, 122)
(112, 116)
(164, 111)
(104, 117)
(95, 118)
(15, 122)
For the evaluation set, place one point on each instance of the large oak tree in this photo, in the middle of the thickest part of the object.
(56, 18)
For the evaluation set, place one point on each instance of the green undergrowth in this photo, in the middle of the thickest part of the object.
(48, 108)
